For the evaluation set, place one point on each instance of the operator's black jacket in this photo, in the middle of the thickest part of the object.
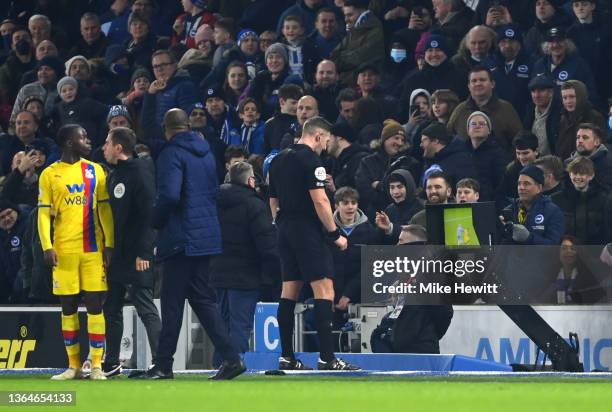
(250, 254)
(131, 188)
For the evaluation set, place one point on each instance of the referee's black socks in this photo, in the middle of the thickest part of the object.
(286, 322)
(324, 321)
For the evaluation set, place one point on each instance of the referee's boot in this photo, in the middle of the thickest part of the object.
(155, 372)
(336, 364)
(229, 370)
(292, 364)
(112, 369)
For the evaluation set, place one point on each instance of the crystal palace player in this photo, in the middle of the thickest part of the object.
(305, 226)
(73, 191)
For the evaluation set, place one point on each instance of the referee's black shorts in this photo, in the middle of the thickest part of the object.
(305, 253)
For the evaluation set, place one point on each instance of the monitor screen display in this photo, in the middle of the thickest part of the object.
(459, 227)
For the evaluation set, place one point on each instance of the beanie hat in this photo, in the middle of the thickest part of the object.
(118, 110)
(140, 72)
(432, 169)
(436, 41)
(533, 172)
(479, 113)
(72, 59)
(52, 62)
(244, 33)
(436, 130)
(510, 32)
(194, 106)
(278, 48)
(67, 80)
(214, 91)
(7, 204)
(367, 66)
(344, 131)
(391, 129)
(555, 34)
(204, 33)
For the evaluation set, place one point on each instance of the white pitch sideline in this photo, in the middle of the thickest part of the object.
(407, 374)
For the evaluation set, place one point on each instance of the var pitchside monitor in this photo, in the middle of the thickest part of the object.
(462, 225)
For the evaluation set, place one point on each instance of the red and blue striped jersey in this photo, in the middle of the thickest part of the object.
(73, 192)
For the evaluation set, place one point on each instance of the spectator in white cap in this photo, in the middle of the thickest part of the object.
(79, 109)
(489, 158)
(264, 88)
(79, 68)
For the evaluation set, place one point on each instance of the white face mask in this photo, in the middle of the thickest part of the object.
(398, 55)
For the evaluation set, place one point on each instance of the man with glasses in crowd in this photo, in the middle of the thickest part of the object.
(170, 89)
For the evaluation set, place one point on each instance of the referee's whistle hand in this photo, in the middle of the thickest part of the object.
(341, 242)
(50, 257)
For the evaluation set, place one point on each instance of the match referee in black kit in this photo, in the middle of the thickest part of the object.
(306, 231)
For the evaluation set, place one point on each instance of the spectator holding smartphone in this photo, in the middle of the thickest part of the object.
(419, 113)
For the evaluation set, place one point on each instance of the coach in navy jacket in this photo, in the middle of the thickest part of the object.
(185, 208)
(185, 212)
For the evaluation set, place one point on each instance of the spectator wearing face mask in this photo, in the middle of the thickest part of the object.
(19, 61)
(437, 73)
(397, 64)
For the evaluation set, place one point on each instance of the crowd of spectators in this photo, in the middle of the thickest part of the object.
(432, 102)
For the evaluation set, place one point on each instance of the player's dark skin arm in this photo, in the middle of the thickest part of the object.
(107, 256)
(50, 257)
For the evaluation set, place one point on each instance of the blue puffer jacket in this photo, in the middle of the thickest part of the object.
(179, 92)
(185, 209)
(545, 221)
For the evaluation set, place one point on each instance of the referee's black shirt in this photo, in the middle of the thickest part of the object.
(293, 172)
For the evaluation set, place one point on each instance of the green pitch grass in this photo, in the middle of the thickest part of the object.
(315, 394)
